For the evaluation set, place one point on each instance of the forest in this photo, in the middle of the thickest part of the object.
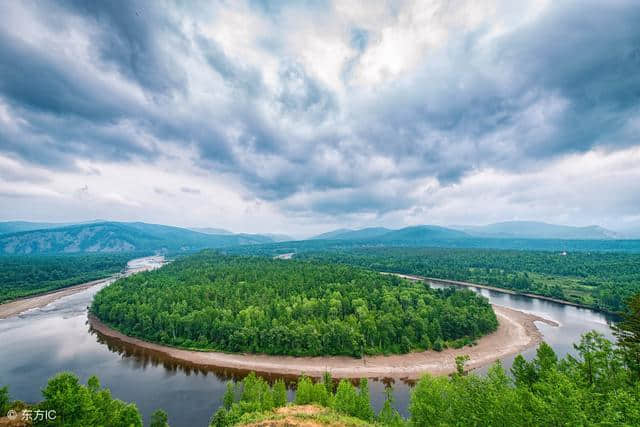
(601, 280)
(22, 276)
(287, 307)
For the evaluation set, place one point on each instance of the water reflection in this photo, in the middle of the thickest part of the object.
(42, 342)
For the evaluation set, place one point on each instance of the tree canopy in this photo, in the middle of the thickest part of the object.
(302, 308)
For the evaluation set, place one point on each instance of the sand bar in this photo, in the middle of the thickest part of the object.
(516, 332)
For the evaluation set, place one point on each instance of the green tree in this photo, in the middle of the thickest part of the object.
(627, 331)
(304, 391)
(229, 396)
(279, 393)
(364, 410)
(388, 416)
(4, 400)
(346, 398)
(159, 419)
(460, 361)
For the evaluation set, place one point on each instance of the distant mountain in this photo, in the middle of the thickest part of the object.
(539, 230)
(330, 234)
(278, 237)
(346, 234)
(421, 234)
(118, 237)
(16, 226)
(209, 230)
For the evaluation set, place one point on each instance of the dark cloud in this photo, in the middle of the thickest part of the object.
(157, 80)
(133, 37)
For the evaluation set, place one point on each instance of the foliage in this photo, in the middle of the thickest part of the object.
(159, 419)
(628, 333)
(79, 405)
(594, 388)
(4, 400)
(389, 416)
(22, 276)
(602, 280)
(259, 305)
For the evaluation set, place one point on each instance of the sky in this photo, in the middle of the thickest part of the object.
(302, 116)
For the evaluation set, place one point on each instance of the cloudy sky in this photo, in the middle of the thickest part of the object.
(302, 116)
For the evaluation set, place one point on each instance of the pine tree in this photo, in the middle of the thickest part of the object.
(387, 415)
(279, 393)
(229, 396)
(304, 391)
(364, 410)
(345, 399)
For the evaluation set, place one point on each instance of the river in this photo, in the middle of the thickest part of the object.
(41, 342)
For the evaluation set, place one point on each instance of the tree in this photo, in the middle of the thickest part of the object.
(159, 419)
(627, 331)
(460, 361)
(328, 382)
(4, 400)
(279, 393)
(523, 372)
(545, 359)
(364, 410)
(229, 396)
(346, 398)
(304, 391)
(388, 416)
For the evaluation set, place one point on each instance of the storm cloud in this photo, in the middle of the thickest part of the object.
(328, 112)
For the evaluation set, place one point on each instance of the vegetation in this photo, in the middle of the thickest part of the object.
(22, 276)
(254, 400)
(597, 387)
(73, 404)
(260, 305)
(599, 280)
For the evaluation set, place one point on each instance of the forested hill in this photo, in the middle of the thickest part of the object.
(118, 237)
(302, 308)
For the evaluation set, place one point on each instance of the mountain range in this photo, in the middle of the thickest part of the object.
(109, 236)
(508, 230)
(21, 237)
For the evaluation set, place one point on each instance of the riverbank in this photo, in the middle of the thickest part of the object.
(18, 306)
(493, 288)
(516, 332)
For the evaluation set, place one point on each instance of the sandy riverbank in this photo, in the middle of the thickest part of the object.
(18, 306)
(517, 331)
(12, 308)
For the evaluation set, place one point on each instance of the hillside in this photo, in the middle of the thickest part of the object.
(7, 227)
(420, 234)
(345, 234)
(539, 230)
(117, 237)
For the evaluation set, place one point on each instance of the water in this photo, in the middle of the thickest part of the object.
(39, 343)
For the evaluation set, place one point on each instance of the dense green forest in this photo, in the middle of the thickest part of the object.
(303, 308)
(22, 276)
(601, 280)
